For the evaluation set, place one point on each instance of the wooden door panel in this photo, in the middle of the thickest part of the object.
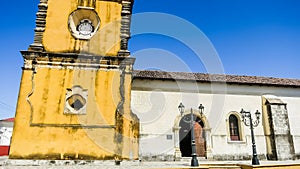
(199, 140)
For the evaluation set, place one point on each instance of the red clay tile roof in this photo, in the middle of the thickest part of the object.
(8, 120)
(215, 78)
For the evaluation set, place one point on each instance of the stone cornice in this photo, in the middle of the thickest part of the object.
(74, 60)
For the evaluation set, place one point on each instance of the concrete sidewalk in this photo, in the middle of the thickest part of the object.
(6, 163)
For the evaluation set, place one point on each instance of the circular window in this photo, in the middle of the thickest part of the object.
(84, 23)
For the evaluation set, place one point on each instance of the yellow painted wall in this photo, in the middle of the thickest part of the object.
(266, 125)
(33, 138)
(131, 123)
(108, 130)
(57, 37)
(50, 90)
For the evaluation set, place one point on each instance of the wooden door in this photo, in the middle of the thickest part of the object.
(199, 140)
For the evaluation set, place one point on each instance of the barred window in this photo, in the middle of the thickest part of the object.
(234, 128)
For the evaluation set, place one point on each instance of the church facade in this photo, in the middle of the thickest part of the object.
(222, 135)
(79, 98)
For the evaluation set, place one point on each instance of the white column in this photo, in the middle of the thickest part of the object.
(208, 143)
(177, 154)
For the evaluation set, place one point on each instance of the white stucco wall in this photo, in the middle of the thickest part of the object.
(5, 135)
(156, 101)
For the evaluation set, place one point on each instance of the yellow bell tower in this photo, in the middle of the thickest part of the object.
(74, 98)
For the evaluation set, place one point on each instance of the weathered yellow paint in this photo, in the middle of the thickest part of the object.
(108, 129)
(48, 107)
(57, 37)
(48, 100)
(266, 124)
(98, 83)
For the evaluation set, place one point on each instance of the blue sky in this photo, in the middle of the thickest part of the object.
(251, 37)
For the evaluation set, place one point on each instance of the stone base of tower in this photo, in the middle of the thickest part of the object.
(75, 107)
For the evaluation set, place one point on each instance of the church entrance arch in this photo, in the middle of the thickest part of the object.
(182, 135)
(185, 136)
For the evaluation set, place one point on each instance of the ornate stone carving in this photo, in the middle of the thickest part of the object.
(125, 27)
(40, 26)
(83, 23)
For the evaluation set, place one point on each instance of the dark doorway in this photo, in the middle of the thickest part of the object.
(185, 136)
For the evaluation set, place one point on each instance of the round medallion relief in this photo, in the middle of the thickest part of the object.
(84, 23)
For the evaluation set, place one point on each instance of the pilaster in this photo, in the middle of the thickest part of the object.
(209, 154)
(177, 153)
(125, 27)
(40, 26)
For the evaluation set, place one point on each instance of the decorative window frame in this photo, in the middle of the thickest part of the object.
(80, 15)
(240, 126)
(76, 91)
